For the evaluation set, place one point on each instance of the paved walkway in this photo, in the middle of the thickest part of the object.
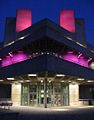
(64, 113)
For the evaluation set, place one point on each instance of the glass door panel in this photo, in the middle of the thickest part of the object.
(25, 97)
(33, 95)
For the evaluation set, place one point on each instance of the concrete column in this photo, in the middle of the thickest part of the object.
(16, 94)
(73, 94)
(45, 93)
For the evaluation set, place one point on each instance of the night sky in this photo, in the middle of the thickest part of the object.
(50, 9)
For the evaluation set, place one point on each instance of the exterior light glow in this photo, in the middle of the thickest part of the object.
(27, 80)
(49, 81)
(60, 75)
(10, 78)
(1, 80)
(80, 55)
(80, 44)
(80, 79)
(67, 20)
(21, 81)
(90, 81)
(42, 53)
(21, 38)
(32, 75)
(62, 81)
(10, 54)
(23, 19)
(89, 59)
(68, 38)
(41, 81)
(48, 53)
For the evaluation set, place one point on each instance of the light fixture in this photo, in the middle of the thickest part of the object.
(36, 53)
(21, 81)
(49, 81)
(48, 53)
(10, 78)
(90, 81)
(27, 80)
(60, 75)
(41, 81)
(89, 59)
(1, 80)
(21, 38)
(42, 53)
(62, 81)
(32, 75)
(10, 54)
(79, 55)
(68, 37)
(80, 79)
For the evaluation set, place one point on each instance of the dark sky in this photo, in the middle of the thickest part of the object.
(50, 9)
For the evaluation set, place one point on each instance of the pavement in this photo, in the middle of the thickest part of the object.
(62, 113)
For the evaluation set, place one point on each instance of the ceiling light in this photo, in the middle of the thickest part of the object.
(49, 81)
(62, 81)
(21, 81)
(80, 79)
(48, 53)
(32, 75)
(41, 81)
(90, 81)
(1, 80)
(60, 75)
(10, 78)
(27, 80)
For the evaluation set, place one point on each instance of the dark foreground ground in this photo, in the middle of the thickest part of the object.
(65, 113)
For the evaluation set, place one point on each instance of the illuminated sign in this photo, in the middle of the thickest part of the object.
(67, 20)
(23, 19)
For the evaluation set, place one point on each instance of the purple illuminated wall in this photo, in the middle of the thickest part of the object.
(83, 61)
(23, 19)
(67, 20)
(72, 57)
(19, 57)
(6, 61)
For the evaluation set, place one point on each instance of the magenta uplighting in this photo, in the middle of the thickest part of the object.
(83, 61)
(67, 20)
(19, 57)
(23, 19)
(6, 61)
(72, 57)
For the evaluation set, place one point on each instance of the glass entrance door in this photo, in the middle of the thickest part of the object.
(33, 95)
(60, 93)
(41, 94)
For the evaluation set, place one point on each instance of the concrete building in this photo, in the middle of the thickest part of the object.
(46, 64)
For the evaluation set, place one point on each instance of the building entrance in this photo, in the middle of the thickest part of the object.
(33, 94)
